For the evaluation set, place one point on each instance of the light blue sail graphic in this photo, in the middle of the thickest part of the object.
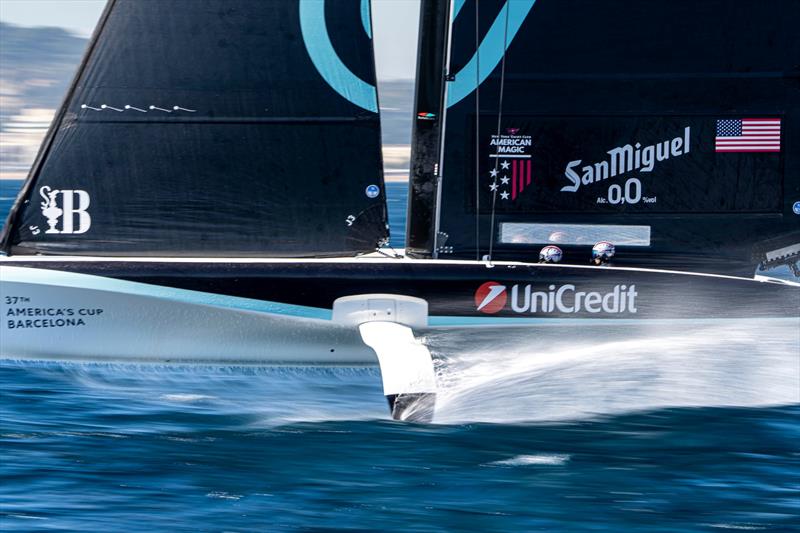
(457, 5)
(328, 63)
(491, 49)
(365, 18)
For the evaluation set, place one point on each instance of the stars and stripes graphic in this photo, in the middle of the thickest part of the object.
(748, 135)
(511, 186)
(520, 176)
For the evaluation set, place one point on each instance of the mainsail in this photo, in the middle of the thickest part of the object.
(213, 128)
(665, 127)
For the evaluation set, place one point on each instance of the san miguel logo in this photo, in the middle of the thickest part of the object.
(491, 298)
(510, 164)
(65, 210)
(625, 159)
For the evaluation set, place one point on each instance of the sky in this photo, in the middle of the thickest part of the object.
(394, 26)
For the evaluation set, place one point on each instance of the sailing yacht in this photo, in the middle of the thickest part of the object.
(212, 189)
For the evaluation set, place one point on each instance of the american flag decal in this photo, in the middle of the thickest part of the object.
(520, 176)
(748, 135)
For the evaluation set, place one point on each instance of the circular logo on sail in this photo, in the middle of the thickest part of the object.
(796, 208)
(372, 191)
(490, 297)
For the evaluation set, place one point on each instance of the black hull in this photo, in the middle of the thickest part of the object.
(556, 292)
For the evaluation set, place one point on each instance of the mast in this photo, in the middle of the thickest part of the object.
(427, 125)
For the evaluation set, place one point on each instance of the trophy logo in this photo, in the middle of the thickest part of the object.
(50, 209)
(73, 202)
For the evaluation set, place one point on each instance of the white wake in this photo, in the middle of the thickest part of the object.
(557, 373)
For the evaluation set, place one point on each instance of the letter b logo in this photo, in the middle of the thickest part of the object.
(76, 203)
(67, 206)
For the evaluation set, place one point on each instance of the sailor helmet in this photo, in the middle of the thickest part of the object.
(550, 254)
(603, 250)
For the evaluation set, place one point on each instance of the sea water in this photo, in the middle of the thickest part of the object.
(679, 427)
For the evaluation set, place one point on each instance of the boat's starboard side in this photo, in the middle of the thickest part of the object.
(260, 312)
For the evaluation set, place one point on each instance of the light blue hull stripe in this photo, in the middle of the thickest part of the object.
(484, 321)
(491, 49)
(327, 61)
(99, 283)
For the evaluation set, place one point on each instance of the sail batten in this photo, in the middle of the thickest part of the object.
(224, 120)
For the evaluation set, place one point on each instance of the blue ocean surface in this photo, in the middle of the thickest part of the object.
(8, 192)
(670, 431)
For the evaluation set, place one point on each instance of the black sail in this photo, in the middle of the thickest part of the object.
(213, 128)
(666, 127)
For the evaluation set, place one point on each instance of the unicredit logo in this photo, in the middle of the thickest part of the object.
(490, 297)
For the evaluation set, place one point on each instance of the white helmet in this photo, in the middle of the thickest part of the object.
(603, 251)
(550, 254)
